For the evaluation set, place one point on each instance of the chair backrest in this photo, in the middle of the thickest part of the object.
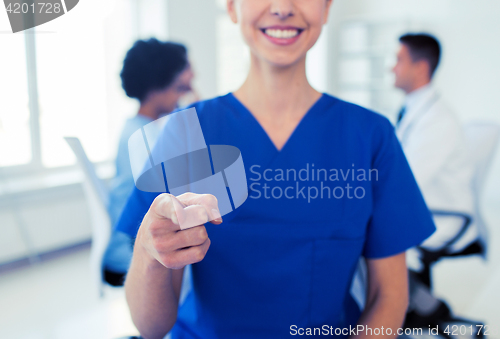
(97, 197)
(482, 140)
(88, 169)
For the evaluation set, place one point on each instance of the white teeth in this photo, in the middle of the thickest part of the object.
(282, 34)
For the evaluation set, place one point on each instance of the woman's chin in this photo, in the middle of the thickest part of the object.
(282, 61)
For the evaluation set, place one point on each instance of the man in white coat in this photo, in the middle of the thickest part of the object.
(433, 140)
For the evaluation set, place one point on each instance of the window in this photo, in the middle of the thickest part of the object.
(15, 139)
(72, 93)
(62, 79)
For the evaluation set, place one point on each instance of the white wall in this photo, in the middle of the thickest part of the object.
(469, 79)
(192, 22)
(42, 221)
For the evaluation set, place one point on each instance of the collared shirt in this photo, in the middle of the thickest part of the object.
(434, 143)
(414, 98)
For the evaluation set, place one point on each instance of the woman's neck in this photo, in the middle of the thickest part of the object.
(277, 92)
(148, 111)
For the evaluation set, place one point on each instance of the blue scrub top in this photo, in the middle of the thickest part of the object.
(285, 258)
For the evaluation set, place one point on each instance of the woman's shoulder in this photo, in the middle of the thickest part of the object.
(351, 112)
(351, 115)
(358, 120)
(211, 106)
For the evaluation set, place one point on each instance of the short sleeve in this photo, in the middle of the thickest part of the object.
(166, 140)
(135, 209)
(400, 218)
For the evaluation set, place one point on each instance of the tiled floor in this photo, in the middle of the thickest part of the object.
(54, 300)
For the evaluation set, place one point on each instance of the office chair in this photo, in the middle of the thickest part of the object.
(425, 309)
(97, 196)
(482, 139)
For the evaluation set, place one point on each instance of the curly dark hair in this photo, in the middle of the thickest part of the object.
(152, 65)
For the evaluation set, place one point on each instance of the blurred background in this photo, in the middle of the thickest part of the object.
(62, 79)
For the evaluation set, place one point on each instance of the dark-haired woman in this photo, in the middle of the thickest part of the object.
(157, 74)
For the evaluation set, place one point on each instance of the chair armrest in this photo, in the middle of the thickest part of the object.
(428, 257)
(467, 220)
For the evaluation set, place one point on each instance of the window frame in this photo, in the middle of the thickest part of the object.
(35, 165)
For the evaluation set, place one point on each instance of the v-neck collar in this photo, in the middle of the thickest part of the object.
(306, 116)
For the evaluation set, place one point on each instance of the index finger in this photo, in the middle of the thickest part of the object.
(208, 201)
(167, 206)
(187, 210)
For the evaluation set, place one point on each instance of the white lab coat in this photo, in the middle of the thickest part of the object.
(434, 143)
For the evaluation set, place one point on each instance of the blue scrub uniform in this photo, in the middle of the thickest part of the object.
(287, 255)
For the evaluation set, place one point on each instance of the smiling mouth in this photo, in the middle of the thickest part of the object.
(282, 33)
